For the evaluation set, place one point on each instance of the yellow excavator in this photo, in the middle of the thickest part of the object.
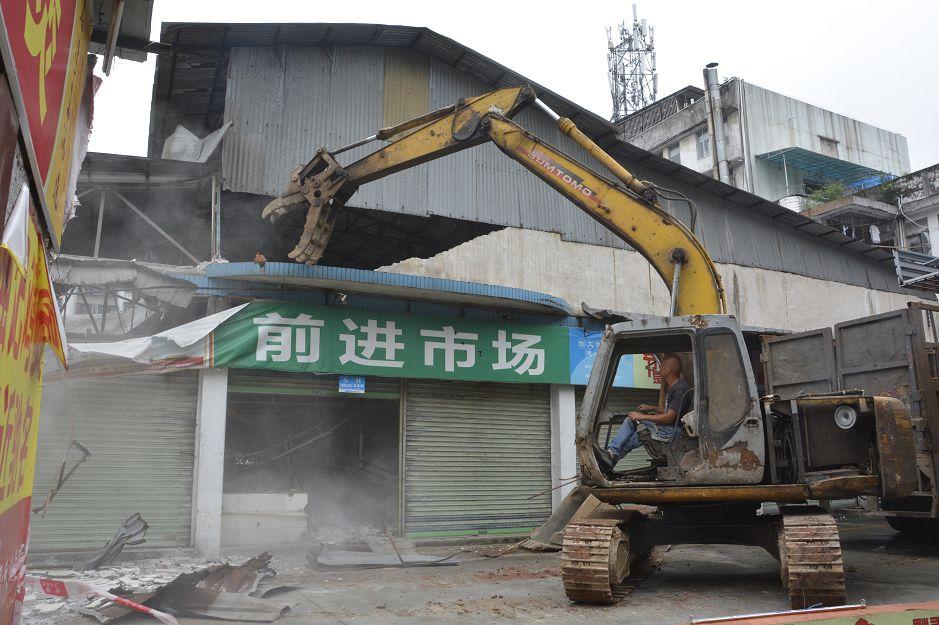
(734, 450)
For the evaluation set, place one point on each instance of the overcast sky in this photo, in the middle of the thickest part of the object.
(874, 61)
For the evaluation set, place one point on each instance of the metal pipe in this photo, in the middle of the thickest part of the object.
(217, 215)
(547, 109)
(346, 148)
(212, 221)
(712, 91)
(153, 225)
(100, 222)
(788, 613)
(675, 277)
(570, 129)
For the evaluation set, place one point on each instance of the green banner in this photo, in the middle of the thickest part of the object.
(300, 337)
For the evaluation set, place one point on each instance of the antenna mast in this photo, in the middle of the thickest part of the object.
(633, 79)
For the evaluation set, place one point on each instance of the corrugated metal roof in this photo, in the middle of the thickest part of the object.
(190, 89)
(387, 284)
(821, 165)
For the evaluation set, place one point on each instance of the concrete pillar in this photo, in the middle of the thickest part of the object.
(210, 462)
(563, 433)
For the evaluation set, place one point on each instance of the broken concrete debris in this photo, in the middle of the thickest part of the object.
(220, 591)
(132, 532)
(74, 588)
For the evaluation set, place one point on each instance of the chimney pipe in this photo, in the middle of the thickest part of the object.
(712, 98)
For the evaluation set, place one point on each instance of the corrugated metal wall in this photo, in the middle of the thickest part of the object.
(140, 431)
(287, 102)
(474, 454)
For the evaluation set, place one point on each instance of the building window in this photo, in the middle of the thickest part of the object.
(703, 142)
(829, 146)
(673, 153)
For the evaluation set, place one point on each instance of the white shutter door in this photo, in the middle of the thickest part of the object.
(474, 455)
(140, 430)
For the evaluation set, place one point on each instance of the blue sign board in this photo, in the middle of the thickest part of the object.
(352, 384)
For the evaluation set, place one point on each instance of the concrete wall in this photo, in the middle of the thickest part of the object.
(774, 121)
(576, 272)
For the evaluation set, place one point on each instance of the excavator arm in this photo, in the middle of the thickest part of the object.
(628, 208)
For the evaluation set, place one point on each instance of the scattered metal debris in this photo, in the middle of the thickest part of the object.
(290, 445)
(74, 588)
(219, 591)
(132, 532)
(370, 559)
(62, 475)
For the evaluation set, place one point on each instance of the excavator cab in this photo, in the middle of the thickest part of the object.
(719, 438)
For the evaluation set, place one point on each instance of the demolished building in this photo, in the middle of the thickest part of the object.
(264, 435)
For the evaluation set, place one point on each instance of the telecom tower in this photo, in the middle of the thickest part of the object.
(633, 79)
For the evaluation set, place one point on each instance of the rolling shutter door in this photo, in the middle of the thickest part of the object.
(140, 431)
(259, 382)
(474, 454)
(623, 400)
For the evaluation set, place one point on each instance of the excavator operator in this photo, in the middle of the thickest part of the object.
(663, 419)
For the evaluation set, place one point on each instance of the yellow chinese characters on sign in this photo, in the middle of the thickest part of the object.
(27, 323)
(47, 41)
(56, 181)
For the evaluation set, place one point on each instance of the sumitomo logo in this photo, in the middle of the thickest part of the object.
(556, 170)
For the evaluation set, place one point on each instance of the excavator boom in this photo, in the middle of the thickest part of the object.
(627, 208)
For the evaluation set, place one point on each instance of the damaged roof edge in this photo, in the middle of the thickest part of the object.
(389, 284)
(156, 281)
(191, 37)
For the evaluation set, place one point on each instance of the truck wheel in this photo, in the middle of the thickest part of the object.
(915, 527)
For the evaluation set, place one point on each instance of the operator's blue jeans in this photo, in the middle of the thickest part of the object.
(626, 438)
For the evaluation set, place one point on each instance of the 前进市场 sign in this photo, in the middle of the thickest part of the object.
(317, 339)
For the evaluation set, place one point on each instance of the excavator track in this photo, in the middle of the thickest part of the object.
(595, 562)
(810, 560)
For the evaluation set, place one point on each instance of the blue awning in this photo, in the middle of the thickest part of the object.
(824, 166)
(223, 276)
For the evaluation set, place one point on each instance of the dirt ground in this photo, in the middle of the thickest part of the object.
(695, 581)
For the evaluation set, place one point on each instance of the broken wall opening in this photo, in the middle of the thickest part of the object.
(305, 461)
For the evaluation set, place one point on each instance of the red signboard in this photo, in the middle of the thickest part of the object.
(44, 45)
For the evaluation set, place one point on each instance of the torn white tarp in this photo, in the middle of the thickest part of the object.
(15, 232)
(182, 346)
(183, 145)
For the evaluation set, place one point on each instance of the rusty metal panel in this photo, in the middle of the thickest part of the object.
(406, 92)
(875, 354)
(896, 445)
(798, 364)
